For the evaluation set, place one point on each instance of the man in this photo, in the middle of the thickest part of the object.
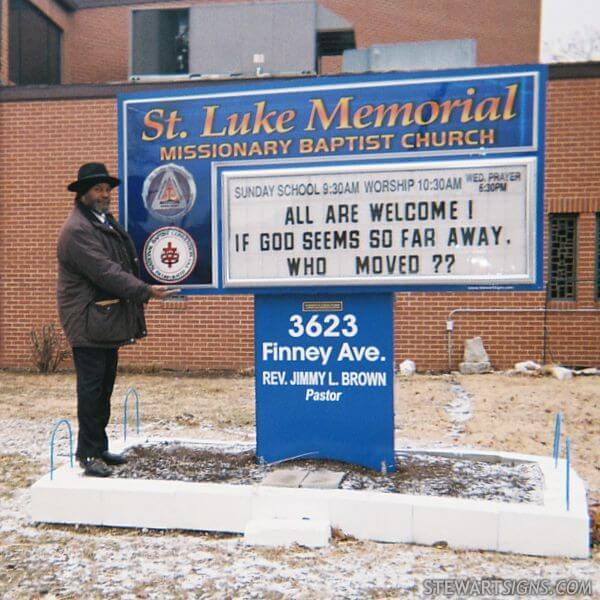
(100, 304)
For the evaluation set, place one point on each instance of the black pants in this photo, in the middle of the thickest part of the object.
(96, 370)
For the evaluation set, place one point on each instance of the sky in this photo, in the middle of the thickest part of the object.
(570, 30)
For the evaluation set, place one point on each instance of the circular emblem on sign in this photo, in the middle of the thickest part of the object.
(169, 192)
(170, 254)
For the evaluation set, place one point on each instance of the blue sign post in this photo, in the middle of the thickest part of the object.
(325, 378)
(354, 187)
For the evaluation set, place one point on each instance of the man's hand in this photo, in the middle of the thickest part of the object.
(161, 292)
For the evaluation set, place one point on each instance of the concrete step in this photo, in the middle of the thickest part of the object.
(313, 533)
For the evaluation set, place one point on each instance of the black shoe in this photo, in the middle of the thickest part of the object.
(94, 467)
(113, 459)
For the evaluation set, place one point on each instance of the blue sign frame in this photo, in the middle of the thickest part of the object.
(214, 131)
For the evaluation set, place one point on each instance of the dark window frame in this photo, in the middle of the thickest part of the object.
(562, 259)
(20, 17)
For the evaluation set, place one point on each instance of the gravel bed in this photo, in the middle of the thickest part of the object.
(415, 473)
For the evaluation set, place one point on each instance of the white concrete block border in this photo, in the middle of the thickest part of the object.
(544, 530)
(312, 533)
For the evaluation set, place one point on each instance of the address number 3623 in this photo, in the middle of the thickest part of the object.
(323, 326)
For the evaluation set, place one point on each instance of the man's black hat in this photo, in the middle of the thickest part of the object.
(90, 175)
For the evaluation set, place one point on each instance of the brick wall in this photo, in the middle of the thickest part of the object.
(506, 32)
(48, 141)
(95, 58)
(43, 143)
(98, 46)
(96, 40)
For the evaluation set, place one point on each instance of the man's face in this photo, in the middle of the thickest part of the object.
(98, 197)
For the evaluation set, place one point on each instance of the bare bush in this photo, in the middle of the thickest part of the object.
(47, 348)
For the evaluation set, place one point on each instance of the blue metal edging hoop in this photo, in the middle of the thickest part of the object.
(129, 392)
(556, 450)
(52, 436)
(568, 472)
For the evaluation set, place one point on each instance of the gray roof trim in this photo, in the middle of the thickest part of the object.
(86, 4)
(574, 70)
(15, 93)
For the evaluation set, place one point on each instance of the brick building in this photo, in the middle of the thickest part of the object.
(92, 37)
(46, 132)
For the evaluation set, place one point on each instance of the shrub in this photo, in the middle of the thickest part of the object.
(47, 348)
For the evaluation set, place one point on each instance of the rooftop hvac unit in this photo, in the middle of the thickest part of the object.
(411, 56)
(236, 39)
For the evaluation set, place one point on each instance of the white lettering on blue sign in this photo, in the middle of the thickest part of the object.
(322, 378)
(329, 328)
(354, 353)
(308, 378)
(278, 353)
(326, 396)
(364, 378)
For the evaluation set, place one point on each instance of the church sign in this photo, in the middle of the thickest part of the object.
(400, 181)
(325, 192)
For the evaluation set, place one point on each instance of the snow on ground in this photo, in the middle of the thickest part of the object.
(459, 410)
(90, 562)
(507, 413)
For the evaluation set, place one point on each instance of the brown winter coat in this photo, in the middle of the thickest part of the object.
(97, 265)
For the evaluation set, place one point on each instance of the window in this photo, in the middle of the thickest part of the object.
(563, 256)
(333, 43)
(34, 46)
(160, 42)
(334, 35)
